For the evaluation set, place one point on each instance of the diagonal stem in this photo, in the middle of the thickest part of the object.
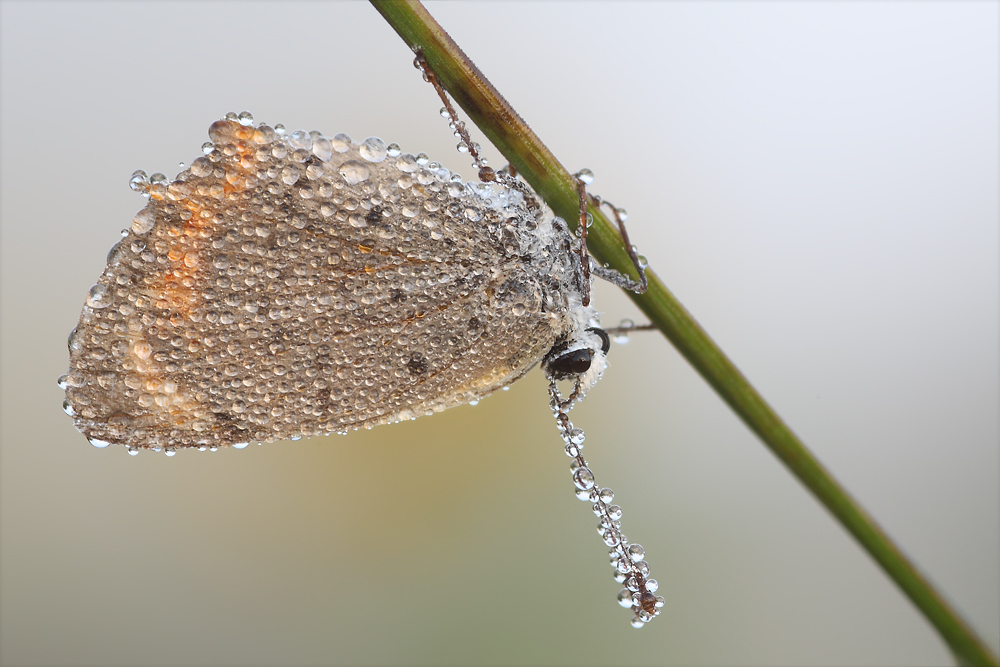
(519, 144)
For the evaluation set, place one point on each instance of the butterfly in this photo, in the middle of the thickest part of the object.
(289, 284)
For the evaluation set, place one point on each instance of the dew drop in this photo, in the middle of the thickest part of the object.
(585, 175)
(218, 131)
(583, 479)
(373, 149)
(245, 118)
(240, 445)
(625, 598)
(100, 444)
(354, 172)
(144, 219)
(99, 297)
(341, 142)
(636, 552)
(300, 139)
(322, 148)
(290, 174)
(201, 167)
(139, 181)
(407, 163)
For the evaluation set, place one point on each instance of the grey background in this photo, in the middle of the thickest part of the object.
(817, 182)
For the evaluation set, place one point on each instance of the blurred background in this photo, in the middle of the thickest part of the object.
(817, 182)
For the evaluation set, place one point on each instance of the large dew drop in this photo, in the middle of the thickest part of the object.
(98, 297)
(354, 172)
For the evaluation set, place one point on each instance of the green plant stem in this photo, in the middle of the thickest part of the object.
(519, 144)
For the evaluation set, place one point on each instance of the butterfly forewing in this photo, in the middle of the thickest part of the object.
(294, 285)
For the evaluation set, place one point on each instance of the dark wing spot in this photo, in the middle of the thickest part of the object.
(417, 365)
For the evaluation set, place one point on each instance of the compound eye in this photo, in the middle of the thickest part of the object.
(576, 362)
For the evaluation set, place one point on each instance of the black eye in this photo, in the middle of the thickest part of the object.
(573, 363)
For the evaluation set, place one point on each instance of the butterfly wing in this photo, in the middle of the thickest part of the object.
(294, 285)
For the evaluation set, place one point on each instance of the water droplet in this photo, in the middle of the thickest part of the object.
(245, 118)
(279, 128)
(341, 142)
(169, 451)
(139, 181)
(99, 297)
(625, 598)
(577, 436)
(607, 495)
(290, 174)
(100, 444)
(652, 585)
(393, 149)
(585, 175)
(354, 172)
(637, 622)
(300, 139)
(322, 148)
(583, 479)
(207, 147)
(201, 167)
(407, 163)
(636, 552)
(133, 450)
(373, 149)
(143, 221)
(614, 512)
(68, 407)
(240, 445)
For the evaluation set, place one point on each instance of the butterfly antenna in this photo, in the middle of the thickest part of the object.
(631, 569)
